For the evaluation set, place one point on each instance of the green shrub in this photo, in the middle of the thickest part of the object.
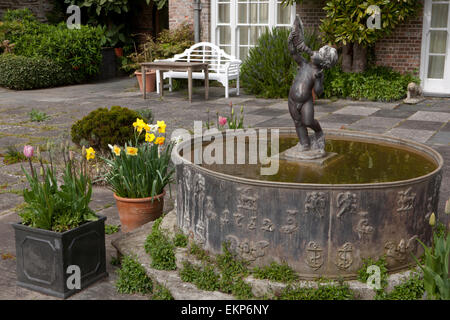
(18, 15)
(276, 272)
(133, 278)
(22, 73)
(102, 127)
(323, 292)
(160, 292)
(411, 289)
(38, 116)
(375, 84)
(269, 68)
(78, 49)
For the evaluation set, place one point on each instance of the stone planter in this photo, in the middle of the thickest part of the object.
(43, 257)
(134, 213)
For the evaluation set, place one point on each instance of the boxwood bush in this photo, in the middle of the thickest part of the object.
(102, 127)
(78, 49)
(21, 73)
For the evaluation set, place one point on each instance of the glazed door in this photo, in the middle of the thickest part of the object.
(436, 45)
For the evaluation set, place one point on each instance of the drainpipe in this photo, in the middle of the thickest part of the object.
(197, 10)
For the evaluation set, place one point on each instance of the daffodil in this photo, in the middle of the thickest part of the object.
(161, 126)
(149, 137)
(432, 219)
(132, 151)
(90, 153)
(447, 206)
(139, 125)
(116, 150)
(160, 140)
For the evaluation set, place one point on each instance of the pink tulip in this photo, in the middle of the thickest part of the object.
(222, 121)
(28, 151)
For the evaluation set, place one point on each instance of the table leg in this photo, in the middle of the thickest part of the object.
(143, 83)
(190, 84)
(161, 83)
(206, 83)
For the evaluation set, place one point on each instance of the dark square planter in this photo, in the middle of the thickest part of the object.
(43, 257)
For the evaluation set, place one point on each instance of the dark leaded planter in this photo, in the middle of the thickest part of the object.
(43, 257)
(318, 229)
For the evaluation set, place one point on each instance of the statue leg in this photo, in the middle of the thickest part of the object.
(307, 113)
(300, 128)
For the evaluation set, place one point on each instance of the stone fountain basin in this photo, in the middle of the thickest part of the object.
(309, 226)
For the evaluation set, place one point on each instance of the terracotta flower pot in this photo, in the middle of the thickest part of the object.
(150, 80)
(133, 213)
(119, 52)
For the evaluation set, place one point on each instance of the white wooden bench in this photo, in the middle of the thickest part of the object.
(222, 67)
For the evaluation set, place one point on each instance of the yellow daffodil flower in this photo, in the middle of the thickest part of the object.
(90, 153)
(132, 151)
(160, 140)
(139, 125)
(116, 150)
(149, 137)
(161, 126)
(432, 220)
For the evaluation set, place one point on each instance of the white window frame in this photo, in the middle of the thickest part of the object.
(272, 19)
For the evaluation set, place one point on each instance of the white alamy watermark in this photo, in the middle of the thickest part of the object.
(374, 21)
(74, 280)
(241, 146)
(74, 20)
(374, 280)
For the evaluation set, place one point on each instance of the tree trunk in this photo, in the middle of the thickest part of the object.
(347, 59)
(359, 58)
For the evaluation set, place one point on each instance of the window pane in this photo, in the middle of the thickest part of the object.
(227, 49)
(243, 53)
(264, 13)
(283, 14)
(438, 41)
(224, 34)
(243, 35)
(254, 35)
(253, 13)
(436, 65)
(439, 16)
(224, 13)
(242, 13)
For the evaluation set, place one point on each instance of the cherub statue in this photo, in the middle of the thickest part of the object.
(309, 76)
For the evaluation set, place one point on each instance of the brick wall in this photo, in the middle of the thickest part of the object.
(39, 7)
(401, 50)
(181, 11)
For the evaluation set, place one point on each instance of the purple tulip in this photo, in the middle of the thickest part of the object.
(28, 151)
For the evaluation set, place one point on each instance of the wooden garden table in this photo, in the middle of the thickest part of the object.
(162, 66)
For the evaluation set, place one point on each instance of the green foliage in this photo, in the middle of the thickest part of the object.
(346, 21)
(104, 7)
(22, 73)
(133, 278)
(102, 127)
(323, 292)
(411, 289)
(76, 49)
(199, 253)
(38, 116)
(161, 293)
(435, 267)
(18, 15)
(269, 68)
(111, 229)
(13, 156)
(180, 240)
(381, 263)
(56, 208)
(233, 121)
(376, 84)
(146, 114)
(276, 272)
(204, 277)
(160, 248)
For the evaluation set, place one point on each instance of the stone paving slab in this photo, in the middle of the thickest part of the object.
(377, 122)
(341, 118)
(431, 116)
(440, 138)
(358, 111)
(411, 134)
(396, 113)
(420, 125)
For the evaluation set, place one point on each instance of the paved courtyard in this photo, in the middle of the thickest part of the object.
(427, 122)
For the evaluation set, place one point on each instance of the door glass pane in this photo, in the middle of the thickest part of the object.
(243, 35)
(224, 13)
(436, 65)
(253, 13)
(438, 41)
(224, 34)
(242, 13)
(264, 13)
(439, 16)
(243, 52)
(254, 34)
(227, 49)
(283, 14)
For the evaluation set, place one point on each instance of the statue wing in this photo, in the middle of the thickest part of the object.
(297, 37)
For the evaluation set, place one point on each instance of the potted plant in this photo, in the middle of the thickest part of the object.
(133, 63)
(60, 242)
(138, 174)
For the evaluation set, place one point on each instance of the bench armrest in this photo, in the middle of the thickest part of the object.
(232, 66)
